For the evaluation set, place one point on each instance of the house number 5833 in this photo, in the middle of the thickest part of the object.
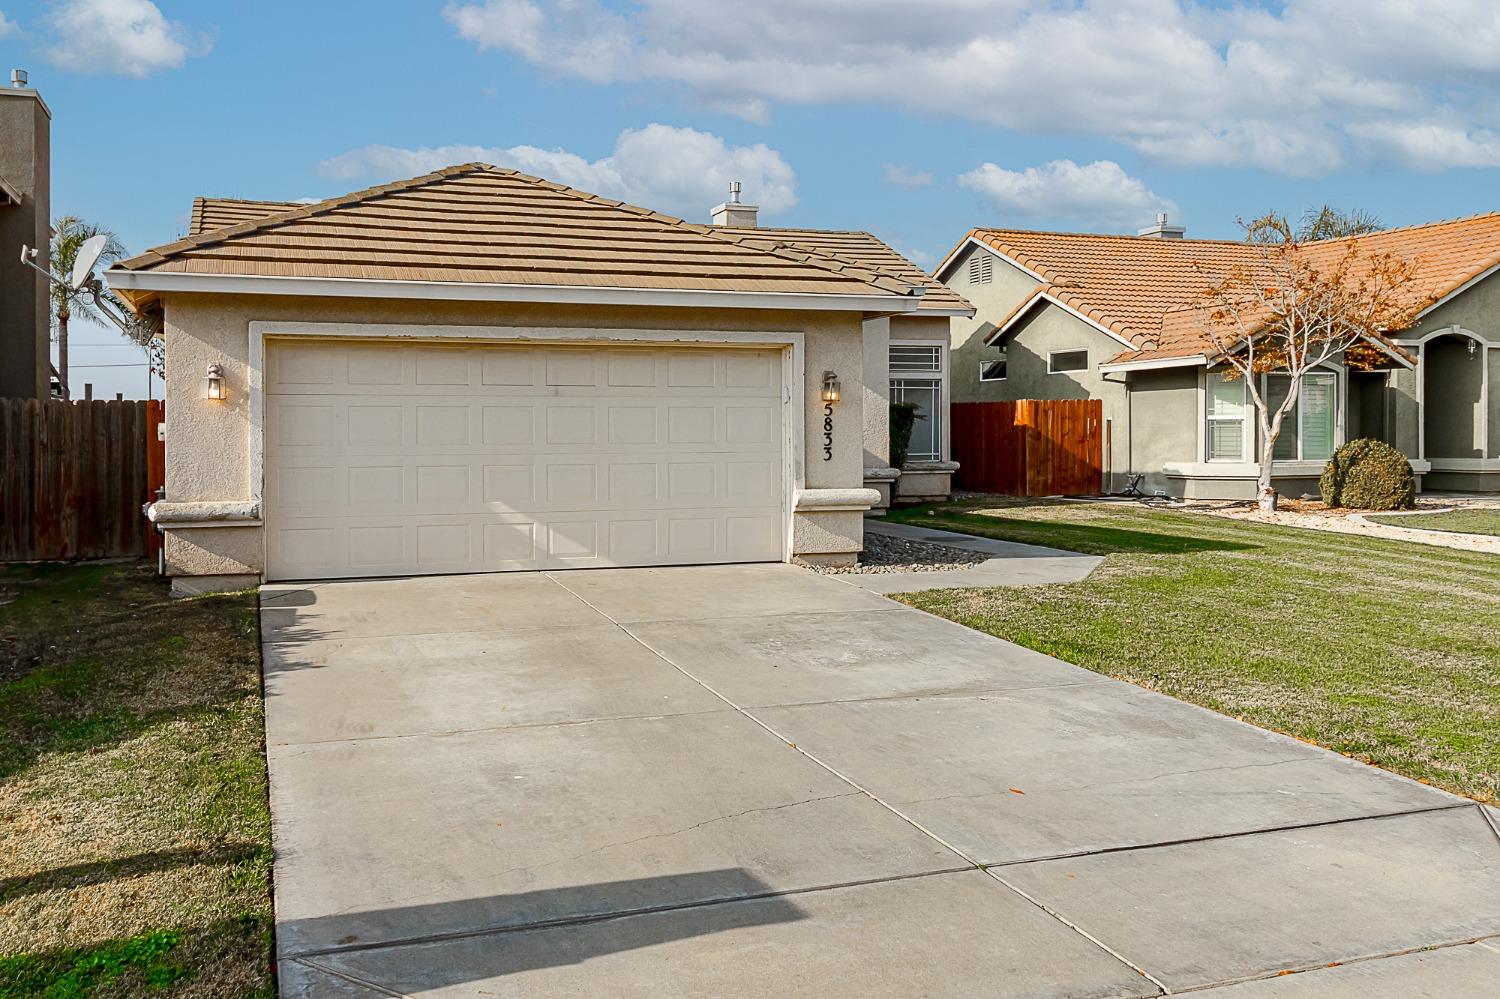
(828, 431)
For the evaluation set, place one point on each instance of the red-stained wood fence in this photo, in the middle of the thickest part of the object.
(1032, 447)
(74, 476)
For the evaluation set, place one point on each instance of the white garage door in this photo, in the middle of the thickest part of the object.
(395, 459)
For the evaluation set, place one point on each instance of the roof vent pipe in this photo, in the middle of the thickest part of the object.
(1161, 230)
(733, 214)
(18, 79)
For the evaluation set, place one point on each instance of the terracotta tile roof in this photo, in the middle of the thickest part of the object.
(1144, 290)
(481, 224)
(866, 249)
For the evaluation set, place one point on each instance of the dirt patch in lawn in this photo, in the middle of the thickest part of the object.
(134, 832)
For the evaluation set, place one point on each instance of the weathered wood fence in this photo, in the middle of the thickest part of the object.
(1033, 447)
(73, 478)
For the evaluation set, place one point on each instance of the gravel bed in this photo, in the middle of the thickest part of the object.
(887, 554)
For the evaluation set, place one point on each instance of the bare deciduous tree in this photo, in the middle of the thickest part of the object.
(1296, 307)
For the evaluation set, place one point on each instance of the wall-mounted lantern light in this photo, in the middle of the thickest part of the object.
(213, 383)
(830, 387)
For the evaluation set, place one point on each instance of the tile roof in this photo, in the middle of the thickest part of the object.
(1143, 290)
(872, 252)
(216, 213)
(481, 224)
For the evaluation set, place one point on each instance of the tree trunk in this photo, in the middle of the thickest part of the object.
(62, 352)
(1265, 495)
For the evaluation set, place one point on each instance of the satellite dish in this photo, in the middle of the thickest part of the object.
(88, 255)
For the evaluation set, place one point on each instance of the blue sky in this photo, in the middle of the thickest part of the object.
(914, 121)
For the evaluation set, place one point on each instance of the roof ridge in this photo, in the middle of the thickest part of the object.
(828, 261)
(1111, 235)
(211, 236)
(249, 201)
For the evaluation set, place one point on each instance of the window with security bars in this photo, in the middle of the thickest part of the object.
(981, 268)
(917, 357)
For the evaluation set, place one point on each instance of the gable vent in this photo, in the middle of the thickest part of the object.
(981, 268)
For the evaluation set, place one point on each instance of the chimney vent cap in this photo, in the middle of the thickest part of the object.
(18, 78)
(1162, 229)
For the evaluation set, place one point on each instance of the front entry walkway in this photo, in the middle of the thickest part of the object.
(758, 781)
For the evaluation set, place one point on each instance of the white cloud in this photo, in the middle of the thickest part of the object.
(7, 27)
(681, 171)
(129, 37)
(1431, 146)
(1285, 86)
(904, 176)
(1098, 195)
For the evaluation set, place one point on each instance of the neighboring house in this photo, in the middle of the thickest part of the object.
(1075, 316)
(25, 213)
(477, 370)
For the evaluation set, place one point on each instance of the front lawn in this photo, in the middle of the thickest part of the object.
(135, 850)
(1384, 650)
(1480, 520)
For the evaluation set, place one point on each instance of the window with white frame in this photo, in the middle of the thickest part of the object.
(1226, 418)
(992, 370)
(1310, 426)
(917, 371)
(1061, 362)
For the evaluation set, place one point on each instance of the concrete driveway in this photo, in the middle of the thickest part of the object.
(757, 781)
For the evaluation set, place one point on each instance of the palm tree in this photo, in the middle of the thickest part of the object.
(68, 236)
(1326, 222)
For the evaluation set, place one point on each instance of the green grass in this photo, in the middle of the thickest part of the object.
(1384, 650)
(1485, 520)
(134, 831)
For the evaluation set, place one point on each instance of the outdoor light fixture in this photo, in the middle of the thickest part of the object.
(830, 387)
(213, 384)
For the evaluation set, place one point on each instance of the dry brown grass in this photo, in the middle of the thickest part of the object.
(134, 798)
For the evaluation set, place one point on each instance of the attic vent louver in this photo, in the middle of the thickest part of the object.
(981, 268)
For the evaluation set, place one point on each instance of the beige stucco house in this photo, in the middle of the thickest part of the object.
(1076, 315)
(478, 370)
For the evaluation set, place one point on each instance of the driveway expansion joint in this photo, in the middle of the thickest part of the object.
(351, 979)
(1217, 837)
(1487, 942)
(874, 797)
(305, 956)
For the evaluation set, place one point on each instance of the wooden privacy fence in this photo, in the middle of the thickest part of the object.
(73, 478)
(1033, 447)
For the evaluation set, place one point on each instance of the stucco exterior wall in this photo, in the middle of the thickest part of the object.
(1461, 415)
(25, 316)
(1454, 418)
(992, 302)
(876, 428)
(1160, 423)
(208, 443)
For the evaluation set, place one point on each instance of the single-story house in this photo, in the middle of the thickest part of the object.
(1087, 316)
(478, 370)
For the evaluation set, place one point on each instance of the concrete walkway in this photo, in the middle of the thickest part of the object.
(757, 781)
(1011, 564)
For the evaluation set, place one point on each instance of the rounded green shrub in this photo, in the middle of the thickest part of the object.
(1368, 474)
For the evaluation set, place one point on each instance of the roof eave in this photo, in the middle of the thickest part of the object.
(1155, 363)
(139, 287)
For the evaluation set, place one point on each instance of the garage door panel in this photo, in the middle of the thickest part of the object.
(389, 459)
